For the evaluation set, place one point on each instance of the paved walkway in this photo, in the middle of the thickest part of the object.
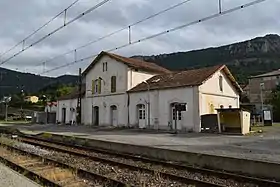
(265, 147)
(10, 178)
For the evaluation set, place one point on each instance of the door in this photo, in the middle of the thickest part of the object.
(95, 116)
(114, 115)
(63, 119)
(176, 119)
(141, 111)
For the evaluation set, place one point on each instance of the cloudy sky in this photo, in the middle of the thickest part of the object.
(20, 18)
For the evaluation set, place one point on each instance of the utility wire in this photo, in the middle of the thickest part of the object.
(40, 28)
(115, 32)
(56, 30)
(162, 33)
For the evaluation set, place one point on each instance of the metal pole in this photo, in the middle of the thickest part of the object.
(149, 106)
(6, 112)
(79, 103)
(176, 114)
(262, 103)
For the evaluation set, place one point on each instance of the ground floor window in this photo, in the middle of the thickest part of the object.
(141, 111)
(179, 114)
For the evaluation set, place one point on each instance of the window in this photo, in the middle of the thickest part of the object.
(141, 112)
(96, 86)
(221, 83)
(179, 115)
(105, 66)
(113, 84)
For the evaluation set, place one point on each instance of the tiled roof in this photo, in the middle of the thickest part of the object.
(187, 78)
(272, 73)
(131, 62)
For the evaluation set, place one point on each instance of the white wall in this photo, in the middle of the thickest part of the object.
(69, 114)
(52, 108)
(137, 77)
(115, 68)
(160, 107)
(104, 104)
(126, 79)
(211, 97)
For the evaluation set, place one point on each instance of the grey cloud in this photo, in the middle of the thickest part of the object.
(20, 18)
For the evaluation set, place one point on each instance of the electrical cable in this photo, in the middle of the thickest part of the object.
(40, 28)
(56, 30)
(162, 33)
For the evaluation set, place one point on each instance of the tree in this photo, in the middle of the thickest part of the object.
(64, 90)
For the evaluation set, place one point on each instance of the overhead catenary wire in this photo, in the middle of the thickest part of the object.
(116, 31)
(56, 30)
(40, 28)
(162, 33)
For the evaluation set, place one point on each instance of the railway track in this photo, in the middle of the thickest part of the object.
(49, 172)
(166, 171)
(144, 163)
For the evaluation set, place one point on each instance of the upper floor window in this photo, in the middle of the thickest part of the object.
(113, 84)
(221, 83)
(96, 86)
(105, 66)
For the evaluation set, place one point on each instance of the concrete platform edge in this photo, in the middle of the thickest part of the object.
(241, 166)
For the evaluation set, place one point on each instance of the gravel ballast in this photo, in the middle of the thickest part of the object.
(136, 177)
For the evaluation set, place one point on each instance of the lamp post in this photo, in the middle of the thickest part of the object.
(148, 89)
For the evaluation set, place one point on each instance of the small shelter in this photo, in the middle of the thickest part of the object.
(234, 120)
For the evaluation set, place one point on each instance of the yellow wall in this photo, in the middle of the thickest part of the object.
(32, 99)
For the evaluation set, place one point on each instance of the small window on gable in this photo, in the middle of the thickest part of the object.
(105, 66)
(221, 83)
(113, 84)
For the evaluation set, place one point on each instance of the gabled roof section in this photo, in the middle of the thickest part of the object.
(269, 74)
(130, 62)
(187, 78)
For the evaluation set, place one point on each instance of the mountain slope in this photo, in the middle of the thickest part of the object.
(244, 59)
(13, 82)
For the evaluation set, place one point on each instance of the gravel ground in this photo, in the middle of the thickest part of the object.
(10, 178)
(51, 174)
(135, 177)
(132, 177)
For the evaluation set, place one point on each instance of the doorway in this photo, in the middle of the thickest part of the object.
(114, 115)
(95, 116)
(63, 119)
(141, 115)
(176, 118)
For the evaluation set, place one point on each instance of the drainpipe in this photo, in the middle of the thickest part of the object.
(149, 106)
(128, 103)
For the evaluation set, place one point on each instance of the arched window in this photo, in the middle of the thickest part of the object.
(113, 84)
(221, 83)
